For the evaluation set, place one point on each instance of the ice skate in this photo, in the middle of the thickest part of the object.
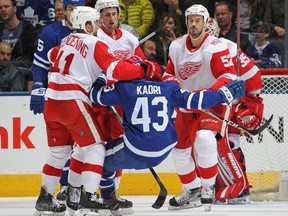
(91, 203)
(207, 197)
(73, 198)
(243, 198)
(118, 205)
(62, 194)
(46, 204)
(185, 200)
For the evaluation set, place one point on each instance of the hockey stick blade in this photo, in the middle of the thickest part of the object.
(163, 191)
(233, 124)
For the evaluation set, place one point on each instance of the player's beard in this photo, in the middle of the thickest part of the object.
(195, 34)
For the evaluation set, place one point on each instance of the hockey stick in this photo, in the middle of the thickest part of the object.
(233, 124)
(163, 191)
(171, 9)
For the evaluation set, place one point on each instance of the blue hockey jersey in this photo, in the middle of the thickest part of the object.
(148, 107)
(50, 36)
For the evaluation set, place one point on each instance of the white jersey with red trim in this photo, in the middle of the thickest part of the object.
(124, 46)
(200, 67)
(79, 61)
(248, 71)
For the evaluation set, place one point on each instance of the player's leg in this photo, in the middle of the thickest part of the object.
(117, 158)
(88, 155)
(210, 131)
(59, 153)
(243, 198)
(206, 151)
(230, 181)
(184, 163)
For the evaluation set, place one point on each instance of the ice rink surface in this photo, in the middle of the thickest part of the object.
(142, 207)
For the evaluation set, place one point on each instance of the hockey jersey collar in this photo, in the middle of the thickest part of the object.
(189, 44)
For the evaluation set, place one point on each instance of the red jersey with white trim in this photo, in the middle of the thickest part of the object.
(79, 61)
(207, 66)
(123, 44)
(248, 71)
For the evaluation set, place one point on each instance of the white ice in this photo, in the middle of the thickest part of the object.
(142, 207)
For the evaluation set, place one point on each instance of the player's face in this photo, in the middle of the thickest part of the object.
(109, 18)
(195, 25)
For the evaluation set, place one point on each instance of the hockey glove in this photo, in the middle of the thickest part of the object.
(249, 112)
(153, 71)
(37, 99)
(245, 118)
(101, 80)
(232, 90)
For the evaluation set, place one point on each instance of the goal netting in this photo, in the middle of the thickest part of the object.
(267, 153)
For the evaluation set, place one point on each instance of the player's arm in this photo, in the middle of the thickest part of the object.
(222, 68)
(210, 98)
(40, 69)
(103, 95)
(117, 69)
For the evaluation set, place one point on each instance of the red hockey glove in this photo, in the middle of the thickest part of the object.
(249, 113)
(246, 118)
(152, 70)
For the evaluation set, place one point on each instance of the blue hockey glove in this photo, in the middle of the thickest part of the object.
(37, 98)
(101, 80)
(233, 90)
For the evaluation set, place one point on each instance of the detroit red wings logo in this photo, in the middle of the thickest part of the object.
(122, 54)
(189, 69)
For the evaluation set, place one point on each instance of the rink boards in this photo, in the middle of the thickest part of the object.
(23, 150)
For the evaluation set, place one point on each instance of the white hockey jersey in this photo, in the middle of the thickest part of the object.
(248, 71)
(201, 67)
(124, 46)
(79, 61)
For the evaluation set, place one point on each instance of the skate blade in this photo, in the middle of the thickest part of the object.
(238, 201)
(207, 207)
(44, 213)
(70, 211)
(91, 212)
(122, 211)
(194, 204)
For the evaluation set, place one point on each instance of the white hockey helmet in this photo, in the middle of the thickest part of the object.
(212, 27)
(83, 14)
(197, 9)
(101, 4)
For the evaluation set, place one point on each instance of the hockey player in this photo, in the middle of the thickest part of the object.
(123, 45)
(247, 113)
(76, 64)
(198, 61)
(149, 129)
(51, 36)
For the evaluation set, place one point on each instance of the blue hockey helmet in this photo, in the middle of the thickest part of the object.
(74, 2)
